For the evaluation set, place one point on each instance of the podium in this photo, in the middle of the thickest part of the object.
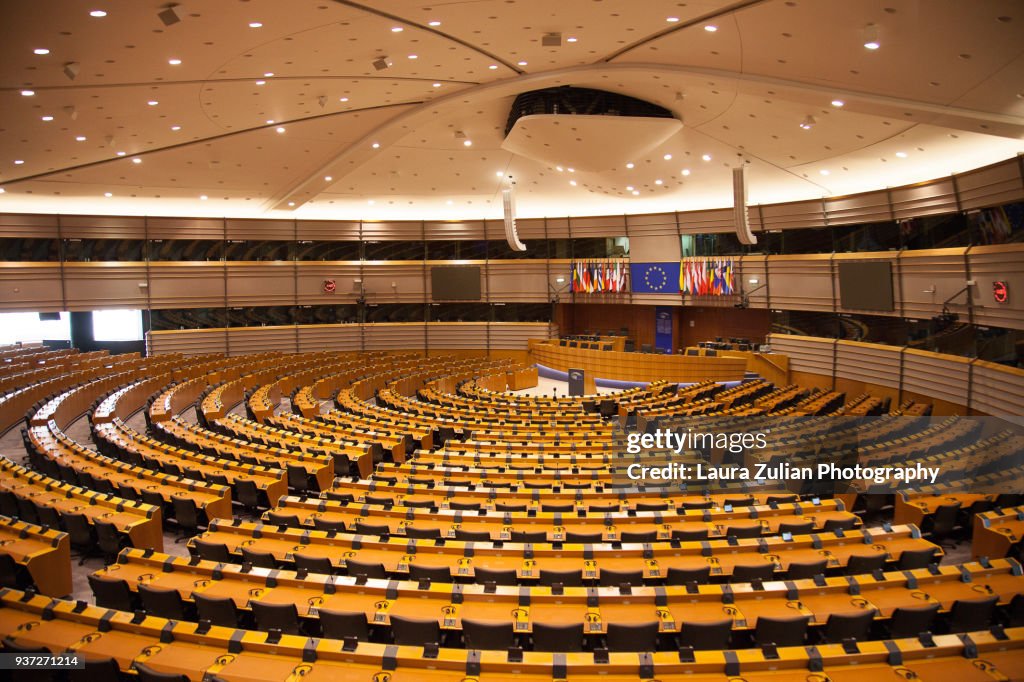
(581, 382)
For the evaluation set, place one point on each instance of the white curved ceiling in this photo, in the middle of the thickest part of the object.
(943, 93)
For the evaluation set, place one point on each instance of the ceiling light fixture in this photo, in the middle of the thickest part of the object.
(175, 128)
(122, 153)
(328, 178)
(412, 56)
(807, 123)
(375, 145)
(98, 13)
(41, 51)
(492, 67)
(901, 155)
(636, 192)
(268, 74)
(629, 165)
(706, 157)
(261, 82)
(152, 102)
(629, 188)
(710, 28)
(572, 182)
(686, 171)
(838, 103)
(658, 182)
(521, 63)
(107, 194)
(291, 203)
(871, 41)
(270, 121)
(672, 20)
(174, 62)
(571, 170)
(571, 40)
(27, 93)
(47, 118)
(824, 171)
(136, 160)
(397, 29)
(255, 24)
(2, 190)
(381, 63)
(203, 197)
(80, 138)
(499, 174)
(279, 129)
(434, 23)
(435, 85)
(18, 162)
(559, 169)
(71, 70)
(667, 157)
(467, 143)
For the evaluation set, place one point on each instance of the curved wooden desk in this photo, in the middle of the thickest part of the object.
(609, 364)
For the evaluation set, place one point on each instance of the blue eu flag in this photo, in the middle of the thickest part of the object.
(654, 278)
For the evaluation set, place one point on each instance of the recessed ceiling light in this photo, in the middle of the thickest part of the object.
(572, 182)
(175, 128)
(18, 162)
(824, 171)
(152, 102)
(255, 24)
(499, 174)
(203, 197)
(371, 202)
(97, 13)
(376, 145)
(522, 63)
(2, 190)
(136, 160)
(571, 170)
(671, 20)
(328, 178)
(41, 50)
(629, 165)
(279, 129)
(47, 118)
(636, 192)
(27, 93)
(629, 188)
(268, 74)
(436, 85)
(492, 67)
(559, 169)
(872, 45)
(343, 99)
(434, 23)
(449, 202)
(571, 40)
(710, 28)
(174, 62)
(686, 171)
(807, 123)
(838, 103)
(467, 143)
(397, 29)
(80, 138)
(412, 56)
(871, 41)
(902, 155)
(667, 157)
(706, 157)
(121, 153)
(658, 182)
(107, 194)
(291, 203)
(261, 82)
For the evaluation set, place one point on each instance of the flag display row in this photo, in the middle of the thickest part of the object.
(599, 276)
(707, 277)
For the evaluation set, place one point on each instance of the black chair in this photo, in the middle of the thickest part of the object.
(186, 513)
(781, 499)
(211, 551)
(743, 531)
(942, 524)
(503, 507)
(832, 525)
(563, 578)
(328, 525)
(415, 632)
(858, 564)
(109, 539)
(912, 621)
(603, 508)
(258, 558)
(81, 535)
(916, 558)
(48, 516)
(379, 500)
(685, 535)
(799, 570)
(464, 535)
(840, 626)
(796, 527)
(13, 574)
(482, 635)
(789, 631)
(422, 533)
(529, 536)
(498, 576)
(706, 636)
(745, 573)
(682, 576)
(435, 574)
(9, 504)
(707, 504)
(632, 636)
(162, 602)
(464, 506)
(299, 479)
(372, 529)
(112, 593)
(558, 508)
(147, 674)
(313, 564)
(288, 520)
(281, 617)
(638, 536)
(95, 670)
(612, 578)
(247, 494)
(583, 538)
(968, 615)
(342, 624)
(547, 637)
(739, 501)
(651, 506)
(27, 510)
(367, 569)
(217, 610)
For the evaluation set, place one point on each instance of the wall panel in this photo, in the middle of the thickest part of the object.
(186, 228)
(651, 225)
(869, 362)
(519, 281)
(1000, 183)
(328, 230)
(1004, 263)
(794, 215)
(102, 227)
(928, 278)
(447, 335)
(30, 287)
(394, 281)
(43, 226)
(187, 284)
(598, 226)
(926, 198)
(261, 283)
(332, 337)
(810, 354)
(935, 375)
(101, 286)
(801, 282)
(997, 389)
(187, 342)
(704, 222)
(311, 277)
(870, 207)
(244, 340)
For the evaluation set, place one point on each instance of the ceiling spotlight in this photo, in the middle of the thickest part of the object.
(629, 165)
(658, 182)
(522, 63)
(71, 70)
(672, 20)
(572, 182)
(261, 82)
(435, 85)
(636, 192)
(808, 123)
(203, 197)
(371, 202)
(901, 155)
(27, 93)
(121, 153)
(381, 63)
(174, 62)
(279, 129)
(2, 190)
(343, 99)
(18, 162)
(152, 102)
(571, 40)
(467, 143)
(559, 169)
(47, 118)
(107, 194)
(449, 202)
(838, 103)
(499, 174)
(871, 41)
(706, 157)
(136, 160)
(571, 170)
(328, 178)
(375, 145)
(710, 28)
(169, 16)
(492, 67)
(268, 74)
(685, 171)
(667, 157)
(434, 23)
(98, 13)
(397, 29)
(80, 138)
(291, 203)
(824, 171)
(255, 24)
(629, 188)
(270, 121)
(412, 56)
(41, 50)
(175, 128)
